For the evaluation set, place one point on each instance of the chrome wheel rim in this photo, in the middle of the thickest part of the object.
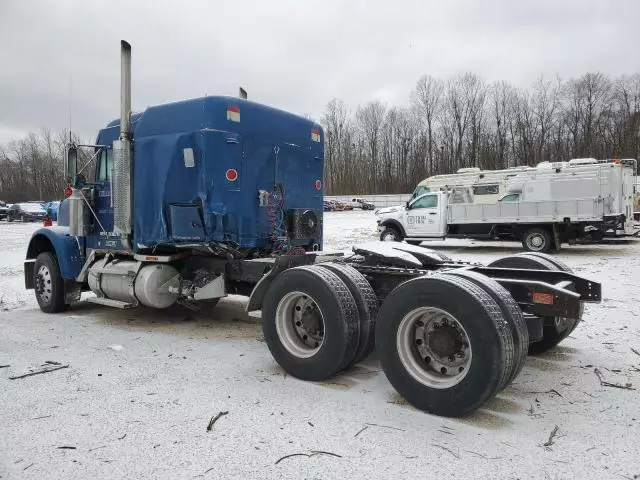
(433, 347)
(300, 324)
(535, 242)
(43, 284)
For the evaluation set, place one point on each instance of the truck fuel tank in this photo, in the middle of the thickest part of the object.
(155, 285)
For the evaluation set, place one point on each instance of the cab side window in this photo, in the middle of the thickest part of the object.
(428, 201)
(105, 165)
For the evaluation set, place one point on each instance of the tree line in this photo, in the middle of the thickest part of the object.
(464, 121)
(32, 168)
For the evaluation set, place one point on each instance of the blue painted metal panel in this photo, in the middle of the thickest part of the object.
(262, 145)
(67, 249)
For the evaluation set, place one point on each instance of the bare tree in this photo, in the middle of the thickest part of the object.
(427, 97)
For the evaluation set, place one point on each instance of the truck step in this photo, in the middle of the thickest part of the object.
(111, 303)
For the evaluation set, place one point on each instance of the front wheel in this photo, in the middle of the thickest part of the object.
(48, 283)
(390, 234)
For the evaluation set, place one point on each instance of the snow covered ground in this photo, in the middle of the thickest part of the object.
(142, 385)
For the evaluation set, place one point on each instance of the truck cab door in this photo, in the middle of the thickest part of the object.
(423, 217)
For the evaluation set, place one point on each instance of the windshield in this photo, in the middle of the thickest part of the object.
(31, 207)
(420, 189)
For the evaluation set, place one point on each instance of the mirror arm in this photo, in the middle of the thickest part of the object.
(100, 147)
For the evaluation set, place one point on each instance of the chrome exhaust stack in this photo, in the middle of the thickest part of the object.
(122, 154)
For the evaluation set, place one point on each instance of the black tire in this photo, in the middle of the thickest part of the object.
(414, 242)
(531, 237)
(552, 335)
(390, 234)
(367, 303)
(511, 313)
(48, 283)
(486, 331)
(9, 218)
(339, 314)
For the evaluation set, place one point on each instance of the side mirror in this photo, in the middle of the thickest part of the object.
(407, 205)
(72, 163)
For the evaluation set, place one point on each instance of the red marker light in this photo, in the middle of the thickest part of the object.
(318, 184)
(232, 174)
(68, 192)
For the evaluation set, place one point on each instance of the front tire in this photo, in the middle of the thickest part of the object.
(49, 285)
(537, 240)
(390, 234)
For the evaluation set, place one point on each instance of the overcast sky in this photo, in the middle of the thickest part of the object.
(293, 54)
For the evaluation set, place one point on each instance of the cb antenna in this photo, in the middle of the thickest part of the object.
(70, 99)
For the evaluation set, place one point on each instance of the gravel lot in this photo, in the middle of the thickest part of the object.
(142, 386)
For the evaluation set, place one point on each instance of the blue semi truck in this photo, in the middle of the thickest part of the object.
(194, 200)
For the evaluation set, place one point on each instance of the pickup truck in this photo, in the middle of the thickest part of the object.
(361, 203)
(542, 226)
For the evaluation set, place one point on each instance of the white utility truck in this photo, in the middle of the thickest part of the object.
(542, 207)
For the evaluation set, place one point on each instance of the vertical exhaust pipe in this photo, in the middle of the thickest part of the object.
(123, 155)
(125, 90)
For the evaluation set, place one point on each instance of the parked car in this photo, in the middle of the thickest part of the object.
(328, 206)
(26, 212)
(3, 209)
(361, 203)
(52, 209)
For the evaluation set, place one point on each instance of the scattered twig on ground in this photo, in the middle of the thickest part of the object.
(43, 416)
(66, 447)
(360, 431)
(5, 366)
(447, 432)
(291, 455)
(483, 456)
(624, 476)
(385, 426)
(608, 408)
(44, 370)
(310, 424)
(553, 433)
(96, 448)
(322, 452)
(208, 470)
(51, 362)
(312, 453)
(507, 444)
(122, 437)
(447, 449)
(553, 390)
(215, 419)
(604, 383)
(28, 466)
(635, 351)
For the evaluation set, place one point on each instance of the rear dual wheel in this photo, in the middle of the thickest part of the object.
(318, 320)
(555, 329)
(444, 344)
